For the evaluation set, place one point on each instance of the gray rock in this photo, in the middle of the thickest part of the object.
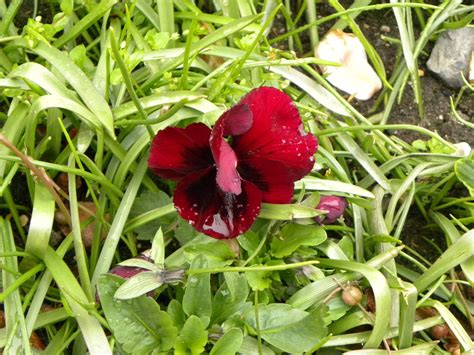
(451, 55)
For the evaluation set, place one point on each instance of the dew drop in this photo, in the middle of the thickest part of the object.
(193, 280)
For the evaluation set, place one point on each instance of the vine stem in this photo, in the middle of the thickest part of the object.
(40, 174)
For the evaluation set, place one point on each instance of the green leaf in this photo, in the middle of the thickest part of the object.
(192, 338)
(313, 183)
(453, 234)
(422, 349)
(336, 309)
(79, 81)
(295, 235)
(286, 212)
(230, 298)
(175, 310)
(41, 222)
(197, 296)
(347, 246)
(217, 253)
(138, 325)
(229, 343)
(458, 252)
(146, 202)
(259, 280)
(157, 40)
(158, 248)
(290, 330)
(96, 12)
(76, 299)
(464, 169)
(138, 285)
(144, 264)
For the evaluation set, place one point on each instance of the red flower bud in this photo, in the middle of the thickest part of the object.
(126, 272)
(334, 206)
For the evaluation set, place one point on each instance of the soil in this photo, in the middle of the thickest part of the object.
(436, 96)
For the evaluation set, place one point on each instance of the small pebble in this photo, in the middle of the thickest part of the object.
(385, 29)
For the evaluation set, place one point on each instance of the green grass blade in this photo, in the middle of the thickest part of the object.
(456, 327)
(200, 45)
(453, 235)
(97, 11)
(363, 158)
(457, 253)
(118, 224)
(381, 294)
(41, 224)
(408, 298)
(316, 184)
(12, 130)
(91, 329)
(317, 291)
(79, 81)
(41, 76)
(79, 250)
(16, 332)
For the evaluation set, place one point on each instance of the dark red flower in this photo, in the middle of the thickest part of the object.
(222, 182)
(334, 206)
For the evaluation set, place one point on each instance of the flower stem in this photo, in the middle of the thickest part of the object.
(252, 268)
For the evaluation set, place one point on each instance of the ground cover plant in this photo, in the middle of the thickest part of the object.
(180, 177)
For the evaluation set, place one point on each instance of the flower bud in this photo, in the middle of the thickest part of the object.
(334, 206)
(351, 296)
(126, 272)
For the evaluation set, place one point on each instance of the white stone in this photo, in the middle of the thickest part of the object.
(354, 76)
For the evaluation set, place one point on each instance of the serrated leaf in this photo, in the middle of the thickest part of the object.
(138, 285)
(290, 330)
(197, 295)
(259, 280)
(464, 169)
(229, 343)
(192, 338)
(138, 324)
(295, 235)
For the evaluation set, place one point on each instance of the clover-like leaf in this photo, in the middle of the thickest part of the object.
(295, 235)
(137, 324)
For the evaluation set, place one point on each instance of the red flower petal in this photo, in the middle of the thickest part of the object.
(276, 187)
(213, 212)
(235, 121)
(277, 133)
(177, 152)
